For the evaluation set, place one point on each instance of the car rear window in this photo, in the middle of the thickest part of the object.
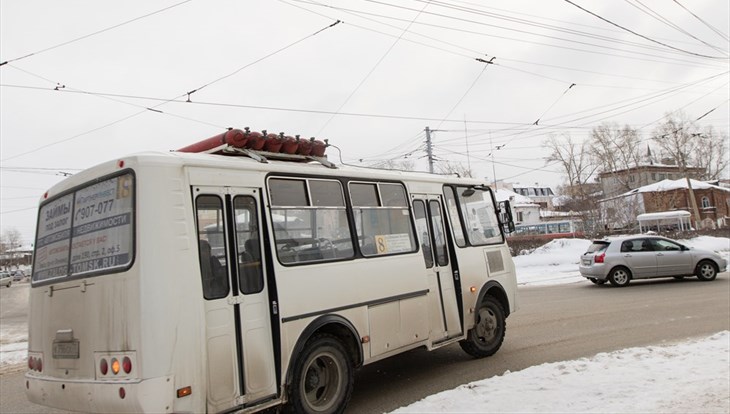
(597, 246)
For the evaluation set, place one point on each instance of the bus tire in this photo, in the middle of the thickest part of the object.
(490, 326)
(323, 377)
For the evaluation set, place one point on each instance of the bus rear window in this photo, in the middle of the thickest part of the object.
(88, 231)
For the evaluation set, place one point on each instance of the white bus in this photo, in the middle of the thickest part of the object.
(198, 282)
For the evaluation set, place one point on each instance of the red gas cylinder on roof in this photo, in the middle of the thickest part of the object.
(305, 146)
(256, 140)
(319, 147)
(290, 145)
(233, 137)
(274, 142)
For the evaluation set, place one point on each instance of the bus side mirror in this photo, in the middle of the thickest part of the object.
(505, 217)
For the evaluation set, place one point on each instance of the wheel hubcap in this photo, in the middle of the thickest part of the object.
(620, 277)
(487, 326)
(321, 382)
(707, 270)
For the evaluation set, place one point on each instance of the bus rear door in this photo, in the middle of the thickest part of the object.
(240, 352)
(442, 280)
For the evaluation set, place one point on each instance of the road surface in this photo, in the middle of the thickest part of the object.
(554, 323)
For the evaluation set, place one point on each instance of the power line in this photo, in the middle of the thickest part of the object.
(711, 27)
(262, 58)
(641, 35)
(95, 33)
(359, 85)
(656, 16)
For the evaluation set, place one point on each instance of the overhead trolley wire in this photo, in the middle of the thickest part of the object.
(653, 14)
(711, 27)
(642, 36)
(359, 85)
(146, 109)
(95, 33)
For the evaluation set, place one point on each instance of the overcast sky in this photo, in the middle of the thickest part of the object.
(369, 84)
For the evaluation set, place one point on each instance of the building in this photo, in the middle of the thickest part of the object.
(540, 195)
(614, 183)
(524, 210)
(713, 203)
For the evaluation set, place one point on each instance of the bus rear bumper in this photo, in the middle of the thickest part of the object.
(154, 395)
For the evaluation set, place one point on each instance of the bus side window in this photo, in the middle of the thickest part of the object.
(250, 271)
(211, 243)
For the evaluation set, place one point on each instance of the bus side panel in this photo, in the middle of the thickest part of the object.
(173, 328)
(476, 270)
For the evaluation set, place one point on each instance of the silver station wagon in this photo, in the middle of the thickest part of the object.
(622, 259)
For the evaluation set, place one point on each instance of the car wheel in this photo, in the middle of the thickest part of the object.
(706, 271)
(323, 377)
(485, 338)
(620, 277)
(597, 281)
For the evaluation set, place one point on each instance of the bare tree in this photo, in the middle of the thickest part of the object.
(679, 138)
(712, 153)
(575, 159)
(449, 167)
(616, 149)
(405, 165)
(11, 240)
(579, 166)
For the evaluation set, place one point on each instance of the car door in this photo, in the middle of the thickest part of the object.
(639, 256)
(671, 259)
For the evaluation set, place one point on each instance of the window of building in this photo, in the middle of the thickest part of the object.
(705, 202)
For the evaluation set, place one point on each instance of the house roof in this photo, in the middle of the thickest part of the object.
(669, 185)
(515, 199)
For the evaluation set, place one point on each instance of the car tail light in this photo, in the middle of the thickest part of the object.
(599, 257)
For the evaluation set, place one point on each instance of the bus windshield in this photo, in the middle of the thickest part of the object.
(87, 231)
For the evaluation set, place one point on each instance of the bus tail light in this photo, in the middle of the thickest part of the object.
(115, 366)
(103, 366)
(127, 365)
(35, 363)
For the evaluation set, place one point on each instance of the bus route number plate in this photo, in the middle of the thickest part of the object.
(66, 349)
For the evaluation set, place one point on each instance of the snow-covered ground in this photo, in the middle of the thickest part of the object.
(688, 377)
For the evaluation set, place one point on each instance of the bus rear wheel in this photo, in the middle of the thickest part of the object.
(323, 377)
(490, 326)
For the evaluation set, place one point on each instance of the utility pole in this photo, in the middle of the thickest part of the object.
(429, 150)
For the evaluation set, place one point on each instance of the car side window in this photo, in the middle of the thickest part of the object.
(646, 246)
(626, 246)
(665, 245)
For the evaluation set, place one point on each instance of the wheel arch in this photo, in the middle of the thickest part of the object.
(495, 289)
(336, 326)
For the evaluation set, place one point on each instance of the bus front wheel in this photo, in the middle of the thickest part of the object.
(323, 377)
(485, 338)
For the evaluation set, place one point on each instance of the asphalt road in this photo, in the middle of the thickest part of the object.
(553, 324)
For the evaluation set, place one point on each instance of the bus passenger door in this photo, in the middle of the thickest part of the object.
(239, 345)
(443, 304)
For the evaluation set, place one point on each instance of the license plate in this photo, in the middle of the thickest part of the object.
(66, 350)
(586, 262)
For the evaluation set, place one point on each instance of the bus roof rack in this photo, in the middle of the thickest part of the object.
(263, 146)
(265, 156)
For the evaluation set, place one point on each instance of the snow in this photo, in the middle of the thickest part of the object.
(687, 377)
(667, 185)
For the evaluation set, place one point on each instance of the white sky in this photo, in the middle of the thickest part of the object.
(425, 76)
(688, 377)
